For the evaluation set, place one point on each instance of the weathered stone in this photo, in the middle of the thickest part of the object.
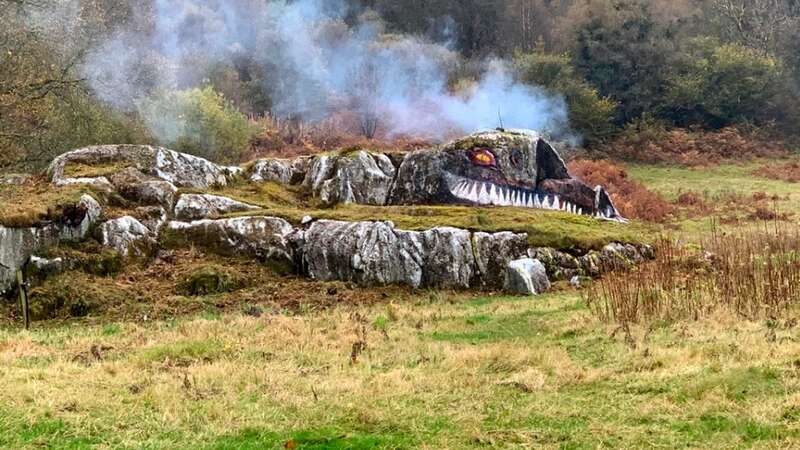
(360, 177)
(153, 217)
(367, 253)
(284, 171)
(204, 206)
(178, 168)
(267, 239)
(527, 277)
(375, 253)
(493, 252)
(127, 236)
(18, 244)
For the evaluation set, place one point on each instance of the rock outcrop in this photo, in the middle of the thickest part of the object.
(267, 239)
(18, 244)
(180, 169)
(284, 171)
(563, 266)
(205, 206)
(360, 177)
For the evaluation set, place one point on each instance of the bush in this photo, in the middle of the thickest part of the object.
(198, 121)
(719, 85)
(632, 198)
(589, 113)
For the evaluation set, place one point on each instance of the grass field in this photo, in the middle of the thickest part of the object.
(283, 364)
(444, 371)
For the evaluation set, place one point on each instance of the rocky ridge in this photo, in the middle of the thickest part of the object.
(365, 253)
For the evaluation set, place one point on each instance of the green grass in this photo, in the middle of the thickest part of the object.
(715, 184)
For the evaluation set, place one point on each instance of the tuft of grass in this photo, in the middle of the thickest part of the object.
(752, 273)
(183, 353)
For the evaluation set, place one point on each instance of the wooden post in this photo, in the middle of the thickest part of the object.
(23, 299)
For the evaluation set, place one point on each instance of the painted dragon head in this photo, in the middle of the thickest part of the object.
(499, 168)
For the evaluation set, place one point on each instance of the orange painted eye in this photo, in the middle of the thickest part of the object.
(483, 157)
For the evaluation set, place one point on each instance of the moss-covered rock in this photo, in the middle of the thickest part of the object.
(209, 280)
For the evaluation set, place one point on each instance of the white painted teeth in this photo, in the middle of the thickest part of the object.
(485, 193)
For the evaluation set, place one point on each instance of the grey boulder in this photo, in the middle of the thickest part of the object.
(204, 206)
(376, 253)
(361, 177)
(267, 239)
(179, 169)
(127, 236)
(526, 277)
(283, 171)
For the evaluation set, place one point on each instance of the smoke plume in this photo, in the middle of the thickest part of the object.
(318, 64)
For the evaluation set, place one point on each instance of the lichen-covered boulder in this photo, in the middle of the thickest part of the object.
(18, 244)
(284, 171)
(142, 189)
(205, 206)
(526, 277)
(127, 236)
(493, 252)
(268, 239)
(360, 177)
(179, 169)
(368, 253)
(376, 253)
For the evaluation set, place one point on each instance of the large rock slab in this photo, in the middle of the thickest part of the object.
(368, 253)
(360, 177)
(283, 171)
(267, 239)
(526, 277)
(205, 206)
(18, 244)
(177, 168)
(376, 253)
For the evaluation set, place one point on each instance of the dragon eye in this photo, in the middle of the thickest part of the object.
(483, 157)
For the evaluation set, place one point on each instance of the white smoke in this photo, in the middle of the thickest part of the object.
(317, 65)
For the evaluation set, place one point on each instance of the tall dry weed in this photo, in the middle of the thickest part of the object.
(754, 273)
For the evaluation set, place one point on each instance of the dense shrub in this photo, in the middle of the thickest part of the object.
(718, 85)
(589, 113)
(198, 121)
(632, 198)
(650, 142)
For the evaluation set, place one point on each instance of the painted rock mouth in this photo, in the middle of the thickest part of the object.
(487, 193)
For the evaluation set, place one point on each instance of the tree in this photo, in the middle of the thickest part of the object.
(626, 56)
(589, 114)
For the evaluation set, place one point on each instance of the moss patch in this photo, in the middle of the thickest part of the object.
(80, 170)
(35, 201)
(544, 228)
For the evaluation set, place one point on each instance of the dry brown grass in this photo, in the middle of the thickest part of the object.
(289, 138)
(780, 171)
(632, 198)
(753, 273)
(35, 201)
(694, 148)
